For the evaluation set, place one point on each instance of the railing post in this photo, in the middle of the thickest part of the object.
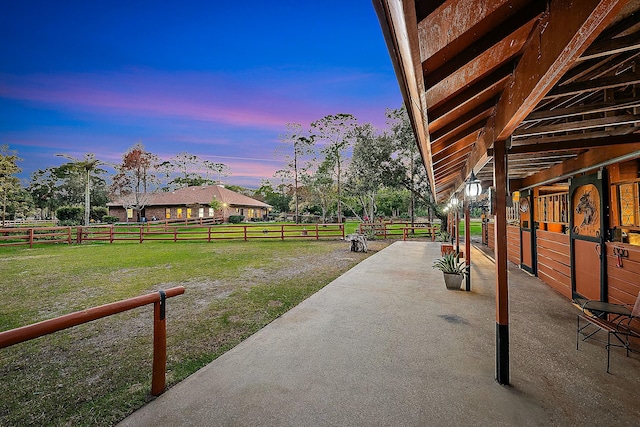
(31, 237)
(209, 235)
(175, 234)
(111, 234)
(245, 233)
(317, 232)
(78, 235)
(159, 345)
(282, 232)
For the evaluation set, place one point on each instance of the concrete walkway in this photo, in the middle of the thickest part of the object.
(386, 344)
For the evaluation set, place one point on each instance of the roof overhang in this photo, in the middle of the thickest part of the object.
(557, 79)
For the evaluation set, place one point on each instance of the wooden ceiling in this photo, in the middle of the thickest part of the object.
(557, 77)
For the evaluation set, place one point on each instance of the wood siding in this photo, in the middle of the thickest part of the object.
(554, 261)
(513, 244)
(491, 236)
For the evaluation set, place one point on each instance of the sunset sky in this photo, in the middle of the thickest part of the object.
(216, 79)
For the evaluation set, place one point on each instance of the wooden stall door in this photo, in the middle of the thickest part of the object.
(587, 237)
(527, 233)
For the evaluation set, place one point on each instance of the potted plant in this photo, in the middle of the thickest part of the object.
(453, 269)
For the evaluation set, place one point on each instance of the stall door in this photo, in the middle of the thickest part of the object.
(527, 233)
(587, 237)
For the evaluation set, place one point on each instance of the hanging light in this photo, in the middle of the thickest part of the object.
(473, 188)
(454, 201)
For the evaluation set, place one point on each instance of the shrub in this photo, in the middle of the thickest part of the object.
(69, 215)
(110, 219)
(98, 212)
(236, 219)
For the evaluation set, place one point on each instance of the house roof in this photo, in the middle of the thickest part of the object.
(202, 195)
(558, 80)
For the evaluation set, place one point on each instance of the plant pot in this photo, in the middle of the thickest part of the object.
(453, 281)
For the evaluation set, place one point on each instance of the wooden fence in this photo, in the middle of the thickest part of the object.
(29, 332)
(399, 229)
(167, 231)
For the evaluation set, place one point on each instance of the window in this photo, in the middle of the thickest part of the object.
(200, 212)
(179, 213)
(167, 213)
(629, 204)
(188, 212)
(211, 212)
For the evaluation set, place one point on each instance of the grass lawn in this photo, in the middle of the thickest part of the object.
(99, 372)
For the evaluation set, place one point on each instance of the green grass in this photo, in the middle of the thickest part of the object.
(475, 228)
(97, 373)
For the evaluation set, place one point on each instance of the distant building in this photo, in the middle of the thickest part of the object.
(192, 202)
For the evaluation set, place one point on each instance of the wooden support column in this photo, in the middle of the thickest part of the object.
(457, 230)
(500, 239)
(467, 242)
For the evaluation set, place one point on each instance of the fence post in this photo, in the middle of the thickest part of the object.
(317, 232)
(245, 233)
(342, 227)
(282, 231)
(31, 237)
(141, 232)
(111, 234)
(78, 235)
(175, 234)
(209, 236)
(159, 345)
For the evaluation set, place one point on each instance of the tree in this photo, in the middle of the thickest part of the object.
(370, 166)
(411, 173)
(320, 188)
(271, 196)
(337, 132)
(298, 146)
(9, 183)
(134, 178)
(88, 165)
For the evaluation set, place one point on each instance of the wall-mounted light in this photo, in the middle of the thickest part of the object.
(473, 187)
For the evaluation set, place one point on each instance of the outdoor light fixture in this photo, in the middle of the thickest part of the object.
(454, 201)
(473, 188)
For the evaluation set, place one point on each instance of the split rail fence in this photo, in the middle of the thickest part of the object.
(167, 231)
(158, 299)
(398, 229)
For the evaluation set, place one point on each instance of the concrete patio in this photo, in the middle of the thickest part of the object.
(386, 344)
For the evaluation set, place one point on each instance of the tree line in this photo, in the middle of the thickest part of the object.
(336, 167)
(339, 167)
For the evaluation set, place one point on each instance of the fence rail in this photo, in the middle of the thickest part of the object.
(400, 228)
(158, 380)
(165, 231)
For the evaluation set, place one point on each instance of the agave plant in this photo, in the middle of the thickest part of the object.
(450, 263)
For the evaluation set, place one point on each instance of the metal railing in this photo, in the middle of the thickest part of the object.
(158, 299)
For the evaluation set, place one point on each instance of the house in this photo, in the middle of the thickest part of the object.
(191, 202)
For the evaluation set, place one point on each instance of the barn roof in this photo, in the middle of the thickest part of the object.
(557, 79)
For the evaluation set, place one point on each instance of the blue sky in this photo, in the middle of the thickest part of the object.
(216, 79)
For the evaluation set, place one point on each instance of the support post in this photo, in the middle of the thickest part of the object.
(500, 239)
(159, 346)
(467, 243)
(457, 231)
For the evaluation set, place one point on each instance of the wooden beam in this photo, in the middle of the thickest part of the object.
(445, 142)
(612, 46)
(467, 75)
(475, 95)
(563, 113)
(576, 144)
(455, 25)
(595, 85)
(566, 32)
(592, 159)
(481, 112)
(460, 145)
(439, 66)
(576, 125)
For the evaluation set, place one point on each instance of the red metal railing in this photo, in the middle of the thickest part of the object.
(158, 299)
